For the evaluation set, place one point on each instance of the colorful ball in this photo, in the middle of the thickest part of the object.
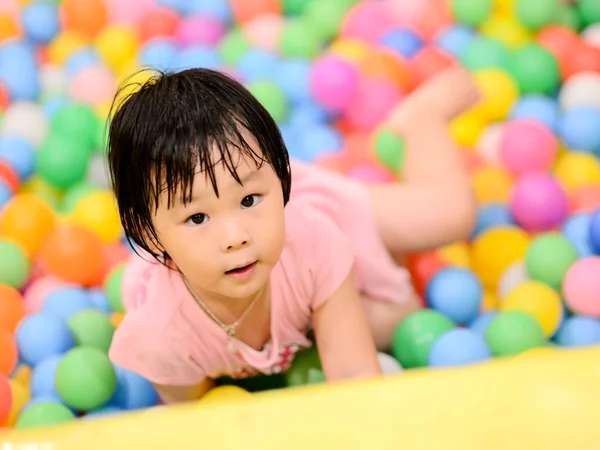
(373, 101)
(334, 82)
(97, 211)
(27, 120)
(20, 396)
(8, 351)
(458, 348)
(582, 89)
(499, 93)
(118, 45)
(14, 264)
(66, 301)
(492, 215)
(514, 332)
(492, 184)
(40, 336)
(456, 293)
(11, 307)
(538, 107)
(62, 161)
(133, 391)
(577, 169)
(579, 128)
(471, 12)
(549, 257)
(92, 329)
(581, 289)
(515, 275)
(536, 14)
(44, 414)
(527, 146)
(484, 53)
(534, 69)
(43, 376)
(200, 29)
(579, 331)
(19, 154)
(577, 230)
(482, 322)
(306, 369)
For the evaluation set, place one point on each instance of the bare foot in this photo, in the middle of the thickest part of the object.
(445, 96)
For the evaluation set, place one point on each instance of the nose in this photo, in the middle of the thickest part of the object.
(235, 236)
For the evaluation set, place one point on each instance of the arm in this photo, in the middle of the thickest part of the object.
(343, 336)
(178, 394)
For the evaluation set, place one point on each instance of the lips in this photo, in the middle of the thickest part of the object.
(241, 267)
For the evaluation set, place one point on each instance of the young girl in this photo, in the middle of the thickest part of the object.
(240, 251)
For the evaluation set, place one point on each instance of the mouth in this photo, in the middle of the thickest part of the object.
(243, 269)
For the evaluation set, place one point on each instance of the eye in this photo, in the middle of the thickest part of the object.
(198, 219)
(250, 200)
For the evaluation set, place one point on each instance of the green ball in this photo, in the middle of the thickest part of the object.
(85, 378)
(233, 46)
(305, 369)
(548, 259)
(416, 334)
(536, 14)
(76, 121)
(295, 7)
(589, 10)
(62, 161)
(327, 16)
(91, 328)
(471, 12)
(485, 53)
(271, 97)
(535, 70)
(44, 414)
(514, 332)
(14, 264)
(390, 150)
(568, 16)
(112, 287)
(300, 39)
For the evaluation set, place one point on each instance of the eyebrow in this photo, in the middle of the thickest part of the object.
(249, 176)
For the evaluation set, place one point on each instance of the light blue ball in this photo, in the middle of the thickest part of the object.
(42, 335)
(102, 412)
(579, 128)
(457, 293)
(318, 140)
(538, 107)
(196, 56)
(459, 347)
(80, 59)
(293, 77)
(40, 22)
(307, 114)
(158, 53)
(18, 70)
(403, 41)
(577, 230)
(483, 321)
(43, 377)
(65, 302)
(53, 105)
(5, 194)
(258, 64)
(99, 300)
(492, 215)
(454, 39)
(578, 331)
(594, 233)
(19, 154)
(216, 8)
(133, 391)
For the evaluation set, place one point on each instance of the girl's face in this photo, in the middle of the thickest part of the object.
(226, 246)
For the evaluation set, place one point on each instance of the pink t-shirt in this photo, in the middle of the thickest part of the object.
(167, 338)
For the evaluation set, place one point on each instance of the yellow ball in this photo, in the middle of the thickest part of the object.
(466, 129)
(225, 394)
(492, 184)
(64, 45)
(495, 250)
(352, 50)
(456, 254)
(499, 92)
(504, 8)
(577, 169)
(117, 45)
(539, 300)
(20, 396)
(22, 375)
(506, 30)
(490, 300)
(130, 85)
(97, 211)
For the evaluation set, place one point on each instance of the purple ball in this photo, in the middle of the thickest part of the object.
(333, 82)
(539, 203)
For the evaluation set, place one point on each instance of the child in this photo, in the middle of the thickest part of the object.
(241, 252)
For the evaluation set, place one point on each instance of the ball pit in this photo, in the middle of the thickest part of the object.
(328, 71)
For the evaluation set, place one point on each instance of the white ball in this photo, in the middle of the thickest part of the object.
(53, 80)
(389, 364)
(513, 276)
(98, 173)
(27, 120)
(582, 89)
(488, 145)
(591, 35)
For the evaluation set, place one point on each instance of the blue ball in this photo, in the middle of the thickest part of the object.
(492, 215)
(158, 53)
(40, 21)
(53, 105)
(579, 331)
(403, 41)
(579, 128)
(258, 64)
(65, 302)
(196, 56)
(293, 77)
(80, 59)
(483, 321)
(459, 347)
(455, 39)
(99, 300)
(102, 411)
(538, 107)
(307, 114)
(19, 154)
(577, 230)
(133, 391)
(43, 376)
(318, 140)
(5, 194)
(18, 71)
(42, 335)
(216, 8)
(594, 233)
(457, 293)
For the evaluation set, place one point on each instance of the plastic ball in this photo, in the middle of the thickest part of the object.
(92, 329)
(102, 412)
(471, 12)
(76, 121)
(6, 193)
(456, 254)
(271, 97)
(371, 104)
(118, 45)
(9, 178)
(581, 89)
(492, 184)
(75, 254)
(293, 76)
(299, 41)
(87, 17)
(43, 376)
(484, 53)
(492, 215)
(38, 290)
(112, 286)
(85, 378)
(536, 14)
(499, 92)
(539, 202)
(97, 212)
(415, 336)
(98, 175)
(62, 161)
(19, 154)
(467, 128)
(510, 32)
(456, 293)
(594, 231)
(44, 414)
(515, 275)
(589, 11)
(386, 65)
(244, 11)
(11, 307)
(27, 120)
(582, 58)
(422, 267)
(14, 264)
(199, 29)
(591, 35)
(389, 365)
(65, 302)
(334, 82)
(158, 53)
(458, 348)
(257, 65)
(534, 69)
(549, 257)
(580, 128)
(8, 351)
(482, 322)
(579, 331)
(402, 40)
(454, 39)
(576, 170)
(527, 146)
(157, 22)
(368, 21)
(262, 32)
(18, 71)
(577, 230)
(305, 369)
(327, 16)
(96, 75)
(580, 287)
(233, 46)
(40, 22)
(514, 332)
(20, 396)
(585, 198)
(537, 107)
(228, 393)
(40, 336)
(133, 391)
(428, 62)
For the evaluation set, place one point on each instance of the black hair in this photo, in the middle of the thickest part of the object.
(168, 129)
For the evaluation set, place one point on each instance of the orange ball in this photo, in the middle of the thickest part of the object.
(9, 176)
(158, 22)
(5, 399)
(582, 58)
(385, 63)
(585, 198)
(428, 62)
(74, 254)
(422, 267)
(8, 28)
(12, 309)
(8, 351)
(558, 40)
(84, 16)
(27, 219)
(244, 10)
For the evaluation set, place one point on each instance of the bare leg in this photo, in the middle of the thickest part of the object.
(434, 204)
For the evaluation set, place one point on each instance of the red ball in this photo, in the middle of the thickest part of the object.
(158, 22)
(582, 58)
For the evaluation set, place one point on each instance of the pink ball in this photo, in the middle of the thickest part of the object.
(581, 288)
(371, 173)
(369, 21)
(374, 100)
(334, 82)
(93, 85)
(128, 11)
(527, 146)
(199, 29)
(539, 202)
(265, 31)
(39, 290)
